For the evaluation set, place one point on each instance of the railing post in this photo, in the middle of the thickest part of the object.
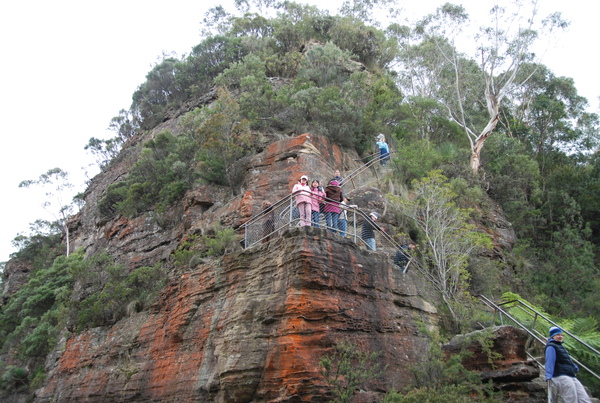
(291, 210)
(529, 338)
(354, 223)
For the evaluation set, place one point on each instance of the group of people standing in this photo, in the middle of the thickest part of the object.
(312, 200)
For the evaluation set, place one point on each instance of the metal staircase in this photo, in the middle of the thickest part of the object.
(506, 313)
(372, 160)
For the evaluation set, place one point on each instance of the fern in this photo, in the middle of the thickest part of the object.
(585, 329)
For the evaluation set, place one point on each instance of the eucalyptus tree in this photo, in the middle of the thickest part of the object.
(105, 150)
(550, 120)
(56, 181)
(153, 96)
(473, 89)
(546, 113)
(449, 239)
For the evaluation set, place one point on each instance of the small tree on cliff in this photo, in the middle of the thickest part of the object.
(226, 136)
(449, 239)
(57, 181)
(347, 368)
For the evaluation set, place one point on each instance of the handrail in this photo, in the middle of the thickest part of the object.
(551, 322)
(280, 216)
(365, 166)
(285, 206)
(350, 176)
(535, 334)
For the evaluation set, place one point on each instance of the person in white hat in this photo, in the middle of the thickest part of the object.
(303, 200)
(561, 371)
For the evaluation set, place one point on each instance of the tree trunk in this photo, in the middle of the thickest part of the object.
(477, 145)
(475, 163)
(68, 240)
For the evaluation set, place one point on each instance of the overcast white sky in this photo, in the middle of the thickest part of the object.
(68, 67)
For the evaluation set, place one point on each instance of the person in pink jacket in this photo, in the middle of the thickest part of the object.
(302, 193)
(318, 197)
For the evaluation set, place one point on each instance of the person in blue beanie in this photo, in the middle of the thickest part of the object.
(561, 371)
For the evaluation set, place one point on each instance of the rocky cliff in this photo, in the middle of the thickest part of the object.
(254, 325)
(252, 328)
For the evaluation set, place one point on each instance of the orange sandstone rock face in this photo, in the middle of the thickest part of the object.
(252, 328)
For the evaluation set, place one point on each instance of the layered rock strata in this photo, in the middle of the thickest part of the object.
(252, 328)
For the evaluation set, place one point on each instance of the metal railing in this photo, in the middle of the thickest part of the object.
(284, 214)
(371, 159)
(503, 311)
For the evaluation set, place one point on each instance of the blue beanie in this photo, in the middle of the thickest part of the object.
(555, 330)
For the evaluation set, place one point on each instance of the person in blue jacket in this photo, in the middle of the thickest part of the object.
(384, 150)
(561, 371)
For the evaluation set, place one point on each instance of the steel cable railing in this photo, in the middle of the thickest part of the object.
(372, 160)
(283, 215)
(503, 310)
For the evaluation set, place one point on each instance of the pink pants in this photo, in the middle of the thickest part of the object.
(305, 210)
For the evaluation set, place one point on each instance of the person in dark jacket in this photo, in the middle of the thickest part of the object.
(402, 257)
(367, 232)
(268, 221)
(332, 209)
(561, 371)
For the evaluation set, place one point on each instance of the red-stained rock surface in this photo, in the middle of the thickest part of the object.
(252, 328)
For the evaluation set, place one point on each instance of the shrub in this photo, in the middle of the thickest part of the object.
(437, 378)
(184, 253)
(223, 240)
(443, 393)
(347, 368)
(161, 176)
(416, 159)
(41, 248)
(110, 301)
(34, 315)
(14, 378)
(256, 95)
(369, 44)
(227, 142)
